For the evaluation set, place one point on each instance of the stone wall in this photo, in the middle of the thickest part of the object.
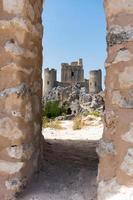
(20, 91)
(95, 81)
(49, 80)
(73, 73)
(116, 148)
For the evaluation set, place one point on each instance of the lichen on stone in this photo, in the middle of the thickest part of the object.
(118, 35)
(20, 90)
(15, 183)
(105, 147)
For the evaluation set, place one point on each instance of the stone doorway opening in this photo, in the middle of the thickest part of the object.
(20, 91)
(70, 164)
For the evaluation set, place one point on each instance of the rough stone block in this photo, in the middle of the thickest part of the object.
(118, 35)
(127, 165)
(112, 190)
(10, 167)
(105, 148)
(123, 100)
(128, 137)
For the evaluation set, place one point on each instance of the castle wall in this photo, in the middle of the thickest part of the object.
(20, 93)
(72, 73)
(62, 84)
(50, 78)
(86, 85)
(95, 81)
(116, 148)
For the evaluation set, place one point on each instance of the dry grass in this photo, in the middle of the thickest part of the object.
(78, 123)
(92, 113)
(55, 124)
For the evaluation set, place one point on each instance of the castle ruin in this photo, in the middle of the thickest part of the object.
(20, 95)
(72, 74)
(49, 80)
(95, 81)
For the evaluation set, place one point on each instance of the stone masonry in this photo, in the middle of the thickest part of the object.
(116, 148)
(95, 81)
(50, 80)
(20, 98)
(71, 75)
(20, 91)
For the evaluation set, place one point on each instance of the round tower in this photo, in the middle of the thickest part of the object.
(50, 78)
(95, 81)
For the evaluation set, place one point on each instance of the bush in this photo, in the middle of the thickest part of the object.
(78, 123)
(52, 109)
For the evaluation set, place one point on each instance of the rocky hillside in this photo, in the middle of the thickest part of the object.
(76, 99)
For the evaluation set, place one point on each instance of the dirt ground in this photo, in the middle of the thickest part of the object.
(70, 165)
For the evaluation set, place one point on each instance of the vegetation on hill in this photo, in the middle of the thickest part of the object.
(52, 109)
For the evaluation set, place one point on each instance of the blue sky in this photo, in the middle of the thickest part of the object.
(74, 29)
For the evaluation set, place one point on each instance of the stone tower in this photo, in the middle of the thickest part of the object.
(95, 81)
(50, 78)
(72, 73)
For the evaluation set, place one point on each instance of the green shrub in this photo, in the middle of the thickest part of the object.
(95, 113)
(52, 109)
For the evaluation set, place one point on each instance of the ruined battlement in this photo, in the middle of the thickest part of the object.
(72, 74)
(75, 63)
(49, 79)
(78, 63)
(50, 70)
(95, 81)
